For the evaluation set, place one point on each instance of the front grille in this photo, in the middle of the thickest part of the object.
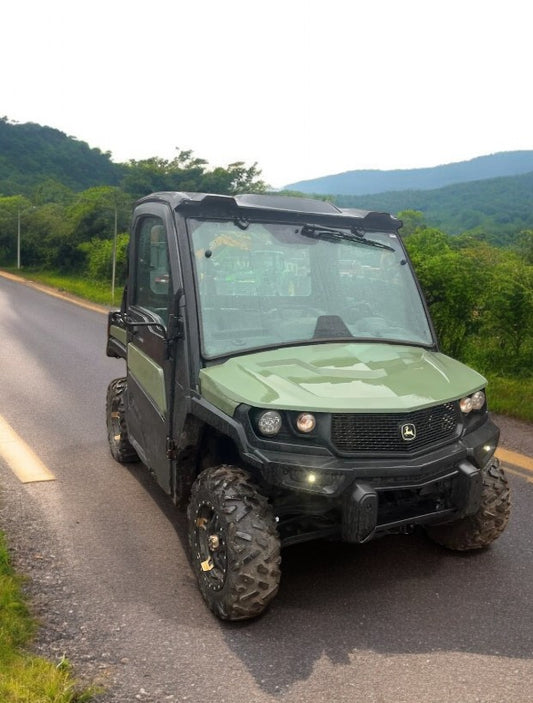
(392, 432)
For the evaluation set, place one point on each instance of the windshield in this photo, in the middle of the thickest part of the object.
(269, 285)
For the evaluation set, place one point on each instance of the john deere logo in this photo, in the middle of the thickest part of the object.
(408, 432)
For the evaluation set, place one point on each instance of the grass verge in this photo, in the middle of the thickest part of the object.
(511, 396)
(24, 677)
(94, 291)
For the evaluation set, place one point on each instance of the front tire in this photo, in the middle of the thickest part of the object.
(487, 524)
(235, 548)
(117, 432)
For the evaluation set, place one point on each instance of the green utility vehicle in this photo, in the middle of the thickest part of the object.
(284, 382)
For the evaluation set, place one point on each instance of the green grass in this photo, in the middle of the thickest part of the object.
(94, 291)
(24, 677)
(510, 396)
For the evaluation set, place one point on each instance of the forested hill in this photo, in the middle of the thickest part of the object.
(364, 182)
(497, 206)
(45, 165)
(31, 154)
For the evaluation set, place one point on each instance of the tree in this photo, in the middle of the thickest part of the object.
(509, 318)
(524, 245)
(453, 284)
(52, 191)
(412, 221)
(99, 257)
(188, 173)
(13, 211)
(427, 242)
(46, 230)
(93, 213)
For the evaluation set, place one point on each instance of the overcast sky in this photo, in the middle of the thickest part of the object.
(303, 88)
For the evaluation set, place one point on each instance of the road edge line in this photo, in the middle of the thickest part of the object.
(49, 290)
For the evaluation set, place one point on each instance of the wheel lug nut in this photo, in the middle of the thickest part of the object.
(213, 542)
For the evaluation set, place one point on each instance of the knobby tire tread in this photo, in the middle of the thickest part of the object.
(252, 543)
(487, 524)
(121, 449)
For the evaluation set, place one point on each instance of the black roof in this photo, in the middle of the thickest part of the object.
(196, 202)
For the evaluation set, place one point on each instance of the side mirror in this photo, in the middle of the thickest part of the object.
(173, 331)
(116, 335)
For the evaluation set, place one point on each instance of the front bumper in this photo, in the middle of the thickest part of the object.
(361, 496)
(442, 499)
(379, 496)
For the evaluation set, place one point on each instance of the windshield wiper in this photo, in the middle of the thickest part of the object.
(332, 235)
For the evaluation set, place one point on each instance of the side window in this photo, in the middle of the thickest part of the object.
(153, 286)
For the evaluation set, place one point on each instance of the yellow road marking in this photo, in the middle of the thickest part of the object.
(520, 460)
(22, 460)
(518, 473)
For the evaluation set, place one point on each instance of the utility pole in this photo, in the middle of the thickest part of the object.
(18, 237)
(114, 265)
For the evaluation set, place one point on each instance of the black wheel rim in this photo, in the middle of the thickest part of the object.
(211, 547)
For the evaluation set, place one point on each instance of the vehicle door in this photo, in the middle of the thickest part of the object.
(150, 370)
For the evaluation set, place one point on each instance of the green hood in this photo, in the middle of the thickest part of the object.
(339, 377)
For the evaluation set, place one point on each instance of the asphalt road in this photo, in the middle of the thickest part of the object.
(396, 620)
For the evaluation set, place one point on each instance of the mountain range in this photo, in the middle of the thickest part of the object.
(368, 182)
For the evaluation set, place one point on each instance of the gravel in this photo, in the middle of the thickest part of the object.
(65, 630)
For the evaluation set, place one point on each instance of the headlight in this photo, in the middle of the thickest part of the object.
(305, 422)
(478, 400)
(269, 423)
(466, 405)
(472, 402)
